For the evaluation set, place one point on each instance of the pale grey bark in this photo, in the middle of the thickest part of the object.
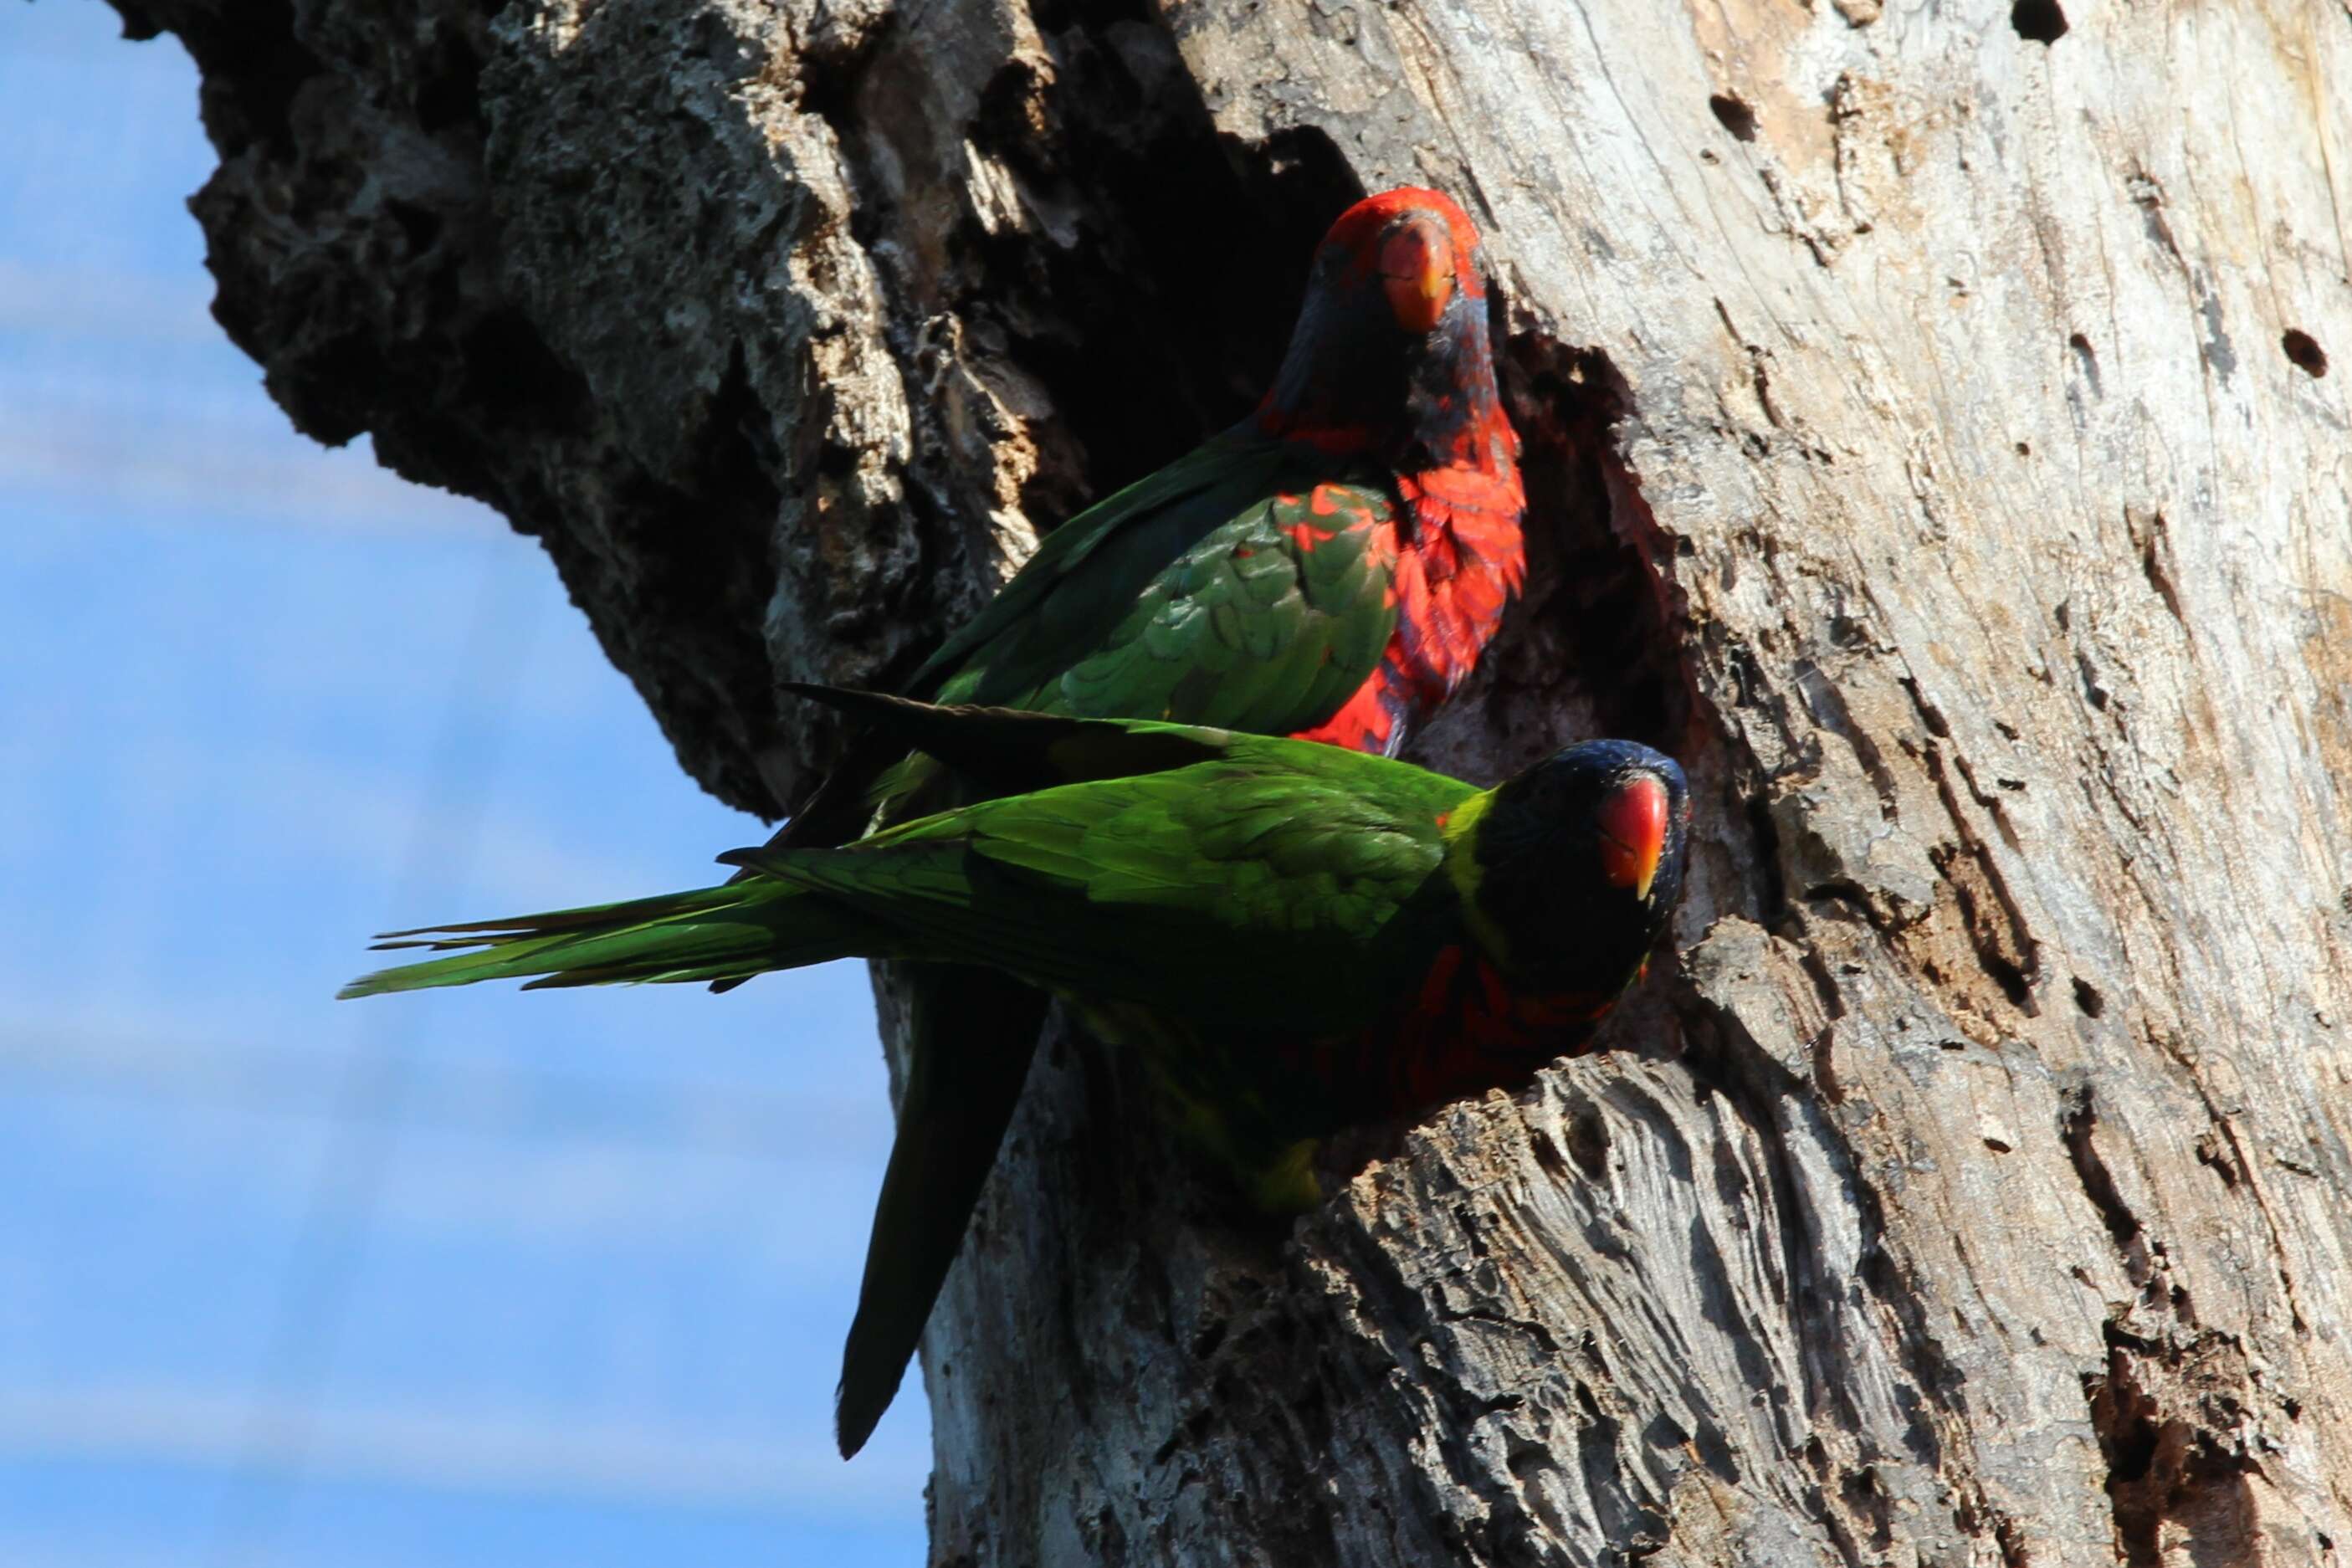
(1931, 444)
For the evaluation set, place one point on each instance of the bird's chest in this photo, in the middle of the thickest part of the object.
(1465, 1029)
(1461, 1029)
(1464, 561)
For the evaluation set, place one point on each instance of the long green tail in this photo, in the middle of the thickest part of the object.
(727, 933)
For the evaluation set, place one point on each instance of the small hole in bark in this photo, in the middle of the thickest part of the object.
(2132, 1447)
(2215, 1158)
(1587, 1143)
(2038, 21)
(2087, 997)
(1665, 1434)
(2151, 566)
(1773, 896)
(508, 366)
(2009, 977)
(451, 89)
(1735, 117)
(2098, 1182)
(2089, 360)
(421, 226)
(2305, 352)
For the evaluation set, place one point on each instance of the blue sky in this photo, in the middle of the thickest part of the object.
(470, 1277)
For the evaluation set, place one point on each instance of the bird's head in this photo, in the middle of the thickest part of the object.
(1571, 871)
(1391, 349)
(1412, 248)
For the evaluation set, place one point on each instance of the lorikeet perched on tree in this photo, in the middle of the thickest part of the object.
(1332, 567)
(1301, 937)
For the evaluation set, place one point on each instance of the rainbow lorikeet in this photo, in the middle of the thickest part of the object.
(1331, 567)
(1300, 937)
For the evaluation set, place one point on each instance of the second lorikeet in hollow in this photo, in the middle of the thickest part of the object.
(1332, 567)
(1300, 937)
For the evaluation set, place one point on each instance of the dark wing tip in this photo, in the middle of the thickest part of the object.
(855, 1418)
(815, 691)
(874, 1360)
(848, 699)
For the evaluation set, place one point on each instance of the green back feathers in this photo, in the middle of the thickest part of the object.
(1257, 885)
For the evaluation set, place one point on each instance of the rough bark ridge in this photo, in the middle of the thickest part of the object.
(1934, 444)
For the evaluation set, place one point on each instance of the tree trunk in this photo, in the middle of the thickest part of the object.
(1931, 442)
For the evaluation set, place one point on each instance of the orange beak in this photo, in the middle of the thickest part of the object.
(1417, 272)
(1632, 823)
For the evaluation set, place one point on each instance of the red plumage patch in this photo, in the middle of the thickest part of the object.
(1463, 563)
(1466, 1032)
(1473, 1032)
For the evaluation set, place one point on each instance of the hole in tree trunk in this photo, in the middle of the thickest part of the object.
(2038, 21)
(2306, 353)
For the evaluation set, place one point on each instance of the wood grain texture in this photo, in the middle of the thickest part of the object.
(1931, 440)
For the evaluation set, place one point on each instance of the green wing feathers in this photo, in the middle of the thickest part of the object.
(1267, 622)
(1242, 586)
(1070, 592)
(1137, 887)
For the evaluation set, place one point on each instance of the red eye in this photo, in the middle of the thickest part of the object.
(1417, 273)
(1632, 823)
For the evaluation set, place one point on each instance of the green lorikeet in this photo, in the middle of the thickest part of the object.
(1301, 937)
(1332, 568)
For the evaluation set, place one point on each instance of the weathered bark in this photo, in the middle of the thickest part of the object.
(1932, 443)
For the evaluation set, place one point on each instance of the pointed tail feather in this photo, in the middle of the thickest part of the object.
(729, 933)
(972, 1033)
